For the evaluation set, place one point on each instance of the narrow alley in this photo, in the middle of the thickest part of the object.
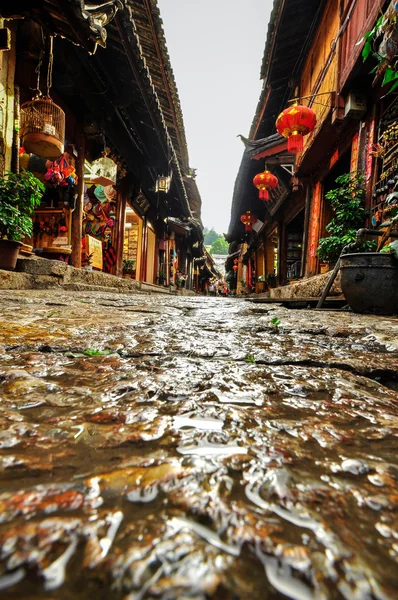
(191, 447)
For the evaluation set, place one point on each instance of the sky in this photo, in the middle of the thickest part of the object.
(216, 49)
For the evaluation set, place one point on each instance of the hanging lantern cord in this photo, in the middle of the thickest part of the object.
(37, 70)
(50, 66)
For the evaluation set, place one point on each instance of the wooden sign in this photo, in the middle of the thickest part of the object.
(354, 154)
(369, 155)
(94, 247)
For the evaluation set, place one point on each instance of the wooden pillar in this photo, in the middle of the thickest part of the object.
(77, 215)
(15, 139)
(144, 250)
(120, 222)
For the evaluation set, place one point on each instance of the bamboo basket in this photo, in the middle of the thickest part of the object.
(43, 128)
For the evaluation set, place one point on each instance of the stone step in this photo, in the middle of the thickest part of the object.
(87, 287)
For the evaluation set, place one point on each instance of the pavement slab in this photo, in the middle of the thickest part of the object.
(191, 447)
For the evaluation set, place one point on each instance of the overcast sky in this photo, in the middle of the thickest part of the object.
(216, 49)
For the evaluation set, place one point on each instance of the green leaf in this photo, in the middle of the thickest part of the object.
(389, 75)
(393, 87)
(366, 50)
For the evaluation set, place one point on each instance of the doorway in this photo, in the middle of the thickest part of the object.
(294, 246)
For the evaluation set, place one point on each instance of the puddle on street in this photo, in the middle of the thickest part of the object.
(183, 450)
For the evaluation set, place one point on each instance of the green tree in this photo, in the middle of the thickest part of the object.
(219, 246)
(211, 236)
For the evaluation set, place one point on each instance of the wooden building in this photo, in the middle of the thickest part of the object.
(112, 77)
(313, 53)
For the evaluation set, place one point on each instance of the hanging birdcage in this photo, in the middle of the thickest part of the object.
(43, 128)
(104, 171)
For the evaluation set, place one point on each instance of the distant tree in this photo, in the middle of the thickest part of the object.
(205, 230)
(211, 236)
(219, 246)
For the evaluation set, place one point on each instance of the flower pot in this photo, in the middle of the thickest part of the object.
(9, 251)
(369, 282)
(324, 268)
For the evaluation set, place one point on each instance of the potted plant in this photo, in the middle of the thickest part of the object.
(181, 278)
(20, 193)
(260, 285)
(162, 278)
(271, 280)
(347, 201)
(87, 262)
(242, 286)
(128, 268)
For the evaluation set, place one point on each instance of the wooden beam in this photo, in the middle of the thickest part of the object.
(120, 220)
(77, 215)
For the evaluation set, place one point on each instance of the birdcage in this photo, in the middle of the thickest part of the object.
(43, 128)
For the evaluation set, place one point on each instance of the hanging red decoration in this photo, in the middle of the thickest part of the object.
(295, 122)
(236, 261)
(235, 268)
(265, 181)
(248, 220)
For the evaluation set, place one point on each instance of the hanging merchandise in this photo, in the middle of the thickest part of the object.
(248, 220)
(61, 173)
(109, 258)
(110, 192)
(104, 170)
(295, 122)
(100, 193)
(42, 121)
(265, 181)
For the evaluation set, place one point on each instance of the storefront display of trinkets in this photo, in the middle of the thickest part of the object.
(99, 214)
(385, 192)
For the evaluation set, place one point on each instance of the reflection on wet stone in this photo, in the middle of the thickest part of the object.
(155, 447)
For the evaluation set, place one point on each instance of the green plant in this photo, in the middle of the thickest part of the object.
(128, 266)
(243, 283)
(391, 248)
(20, 193)
(270, 279)
(381, 43)
(275, 322)
(250, 359)
(260, 278)
(347, 202)
(162, 278)
(88, 259)
(95, 352)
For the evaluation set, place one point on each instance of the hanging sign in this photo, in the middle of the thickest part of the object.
(141, 204)
(354, 154)
(94, 247)
(315, 214)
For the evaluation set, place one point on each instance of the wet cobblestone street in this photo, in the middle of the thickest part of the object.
(190, 447)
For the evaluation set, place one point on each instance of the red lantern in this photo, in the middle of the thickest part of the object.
(265, 181)
(236, 261)
(235, 268)
(248, 219)
(293, 123)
